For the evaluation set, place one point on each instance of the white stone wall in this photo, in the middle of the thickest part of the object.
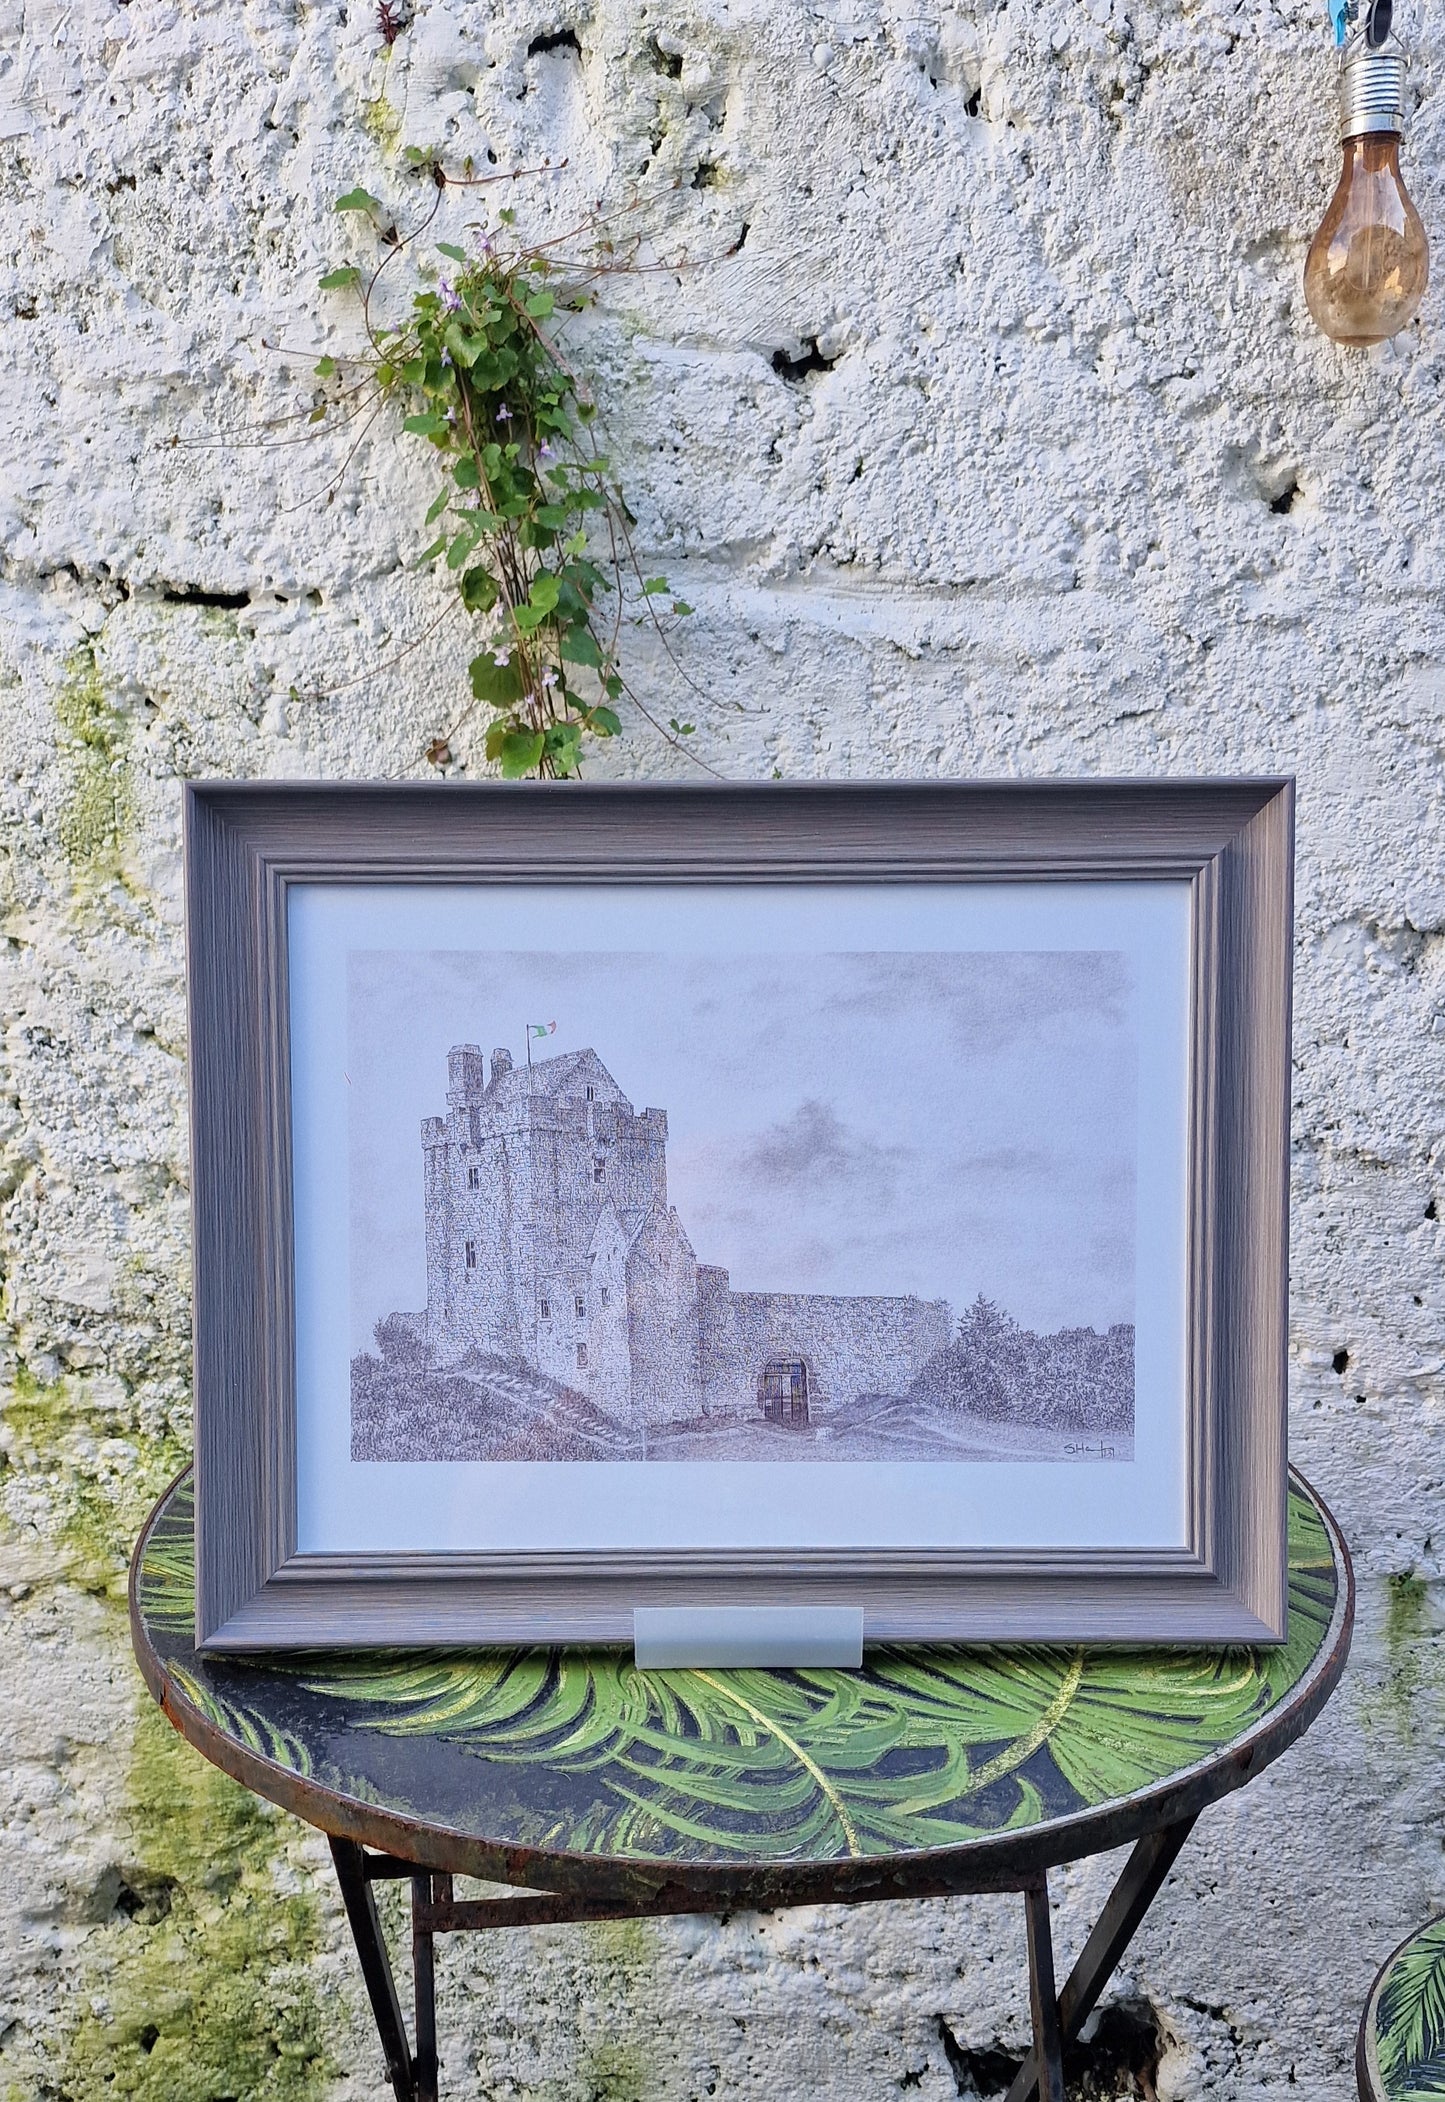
(1063, 482)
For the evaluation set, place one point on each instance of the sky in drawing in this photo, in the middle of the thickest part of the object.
(938, 1123)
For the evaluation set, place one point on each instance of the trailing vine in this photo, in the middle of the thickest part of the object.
(529, 524)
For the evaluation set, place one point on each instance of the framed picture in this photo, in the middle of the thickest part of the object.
(865, 1199)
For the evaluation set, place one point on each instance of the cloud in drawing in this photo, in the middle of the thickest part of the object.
(813, 1153)
(935, 1122)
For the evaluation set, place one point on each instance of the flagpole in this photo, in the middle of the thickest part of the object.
(527, 1033)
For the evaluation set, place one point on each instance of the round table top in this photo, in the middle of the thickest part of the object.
(931, 1770)
(1401, 2056)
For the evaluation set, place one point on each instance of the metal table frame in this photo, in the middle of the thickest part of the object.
(1057, 2017)
(374, 1842)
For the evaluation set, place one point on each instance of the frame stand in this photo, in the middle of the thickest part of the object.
(723, 1638)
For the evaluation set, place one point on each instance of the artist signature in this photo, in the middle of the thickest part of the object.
(1089, 1452)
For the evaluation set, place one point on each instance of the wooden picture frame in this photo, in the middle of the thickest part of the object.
(249, 845)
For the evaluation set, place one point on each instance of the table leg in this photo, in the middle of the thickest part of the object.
(1139, 1884)
(1048, 2051)
(356, 1895)
(423, 1964)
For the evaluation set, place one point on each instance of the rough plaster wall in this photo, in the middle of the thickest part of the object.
(1050, 476)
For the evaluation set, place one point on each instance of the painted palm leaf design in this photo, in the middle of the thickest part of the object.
(242, 1722)
(922, 1748)
(1410, 2019)
(167, 1587)
(912, 1753)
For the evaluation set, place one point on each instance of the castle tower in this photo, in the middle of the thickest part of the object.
(522, 1174)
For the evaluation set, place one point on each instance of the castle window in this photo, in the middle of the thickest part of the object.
(592, 1094)
(581, 1355)
(474, 1178)
(545, 1309)
(599, 1168)
(580, 1304)
(606, 1295)
(471, 1255)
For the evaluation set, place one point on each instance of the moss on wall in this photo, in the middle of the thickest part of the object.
(197, 1989)
(381, 121)
(100, 1479)
(98, 807)
(194, 1989)
(622, 1957)
(1407, 1631)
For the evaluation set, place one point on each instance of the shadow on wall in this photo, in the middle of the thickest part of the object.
(1116, 2060)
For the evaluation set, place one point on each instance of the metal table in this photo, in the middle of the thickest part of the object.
(1400, 2051)
(602, 1792)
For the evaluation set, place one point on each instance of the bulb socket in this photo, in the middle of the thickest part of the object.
(1372, 89)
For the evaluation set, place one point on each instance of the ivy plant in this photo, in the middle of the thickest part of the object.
(527, 519)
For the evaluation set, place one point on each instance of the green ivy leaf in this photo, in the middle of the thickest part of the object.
(357, 201)
(654, 585)
(579, 646)
(563, 746)
(325, 367)
(438, 507)
(681, 608)
(430, 424)
(466, 345)
(541, 306)
(519, 753)
(497, 684)
(479, 589)
(448, 248)
(606, 722)
(340, 280)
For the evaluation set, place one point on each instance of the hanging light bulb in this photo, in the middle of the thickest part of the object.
(1369, 264)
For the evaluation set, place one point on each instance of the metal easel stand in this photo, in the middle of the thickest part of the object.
(1057, 2017)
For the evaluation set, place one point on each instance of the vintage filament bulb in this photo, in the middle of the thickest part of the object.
(1369, 264)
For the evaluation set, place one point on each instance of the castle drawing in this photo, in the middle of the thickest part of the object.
(551, 1244)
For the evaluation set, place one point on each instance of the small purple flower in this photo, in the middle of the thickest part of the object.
(549, 679)
(546, 451)
(451, 298)
(503, 656)
(503, 413)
